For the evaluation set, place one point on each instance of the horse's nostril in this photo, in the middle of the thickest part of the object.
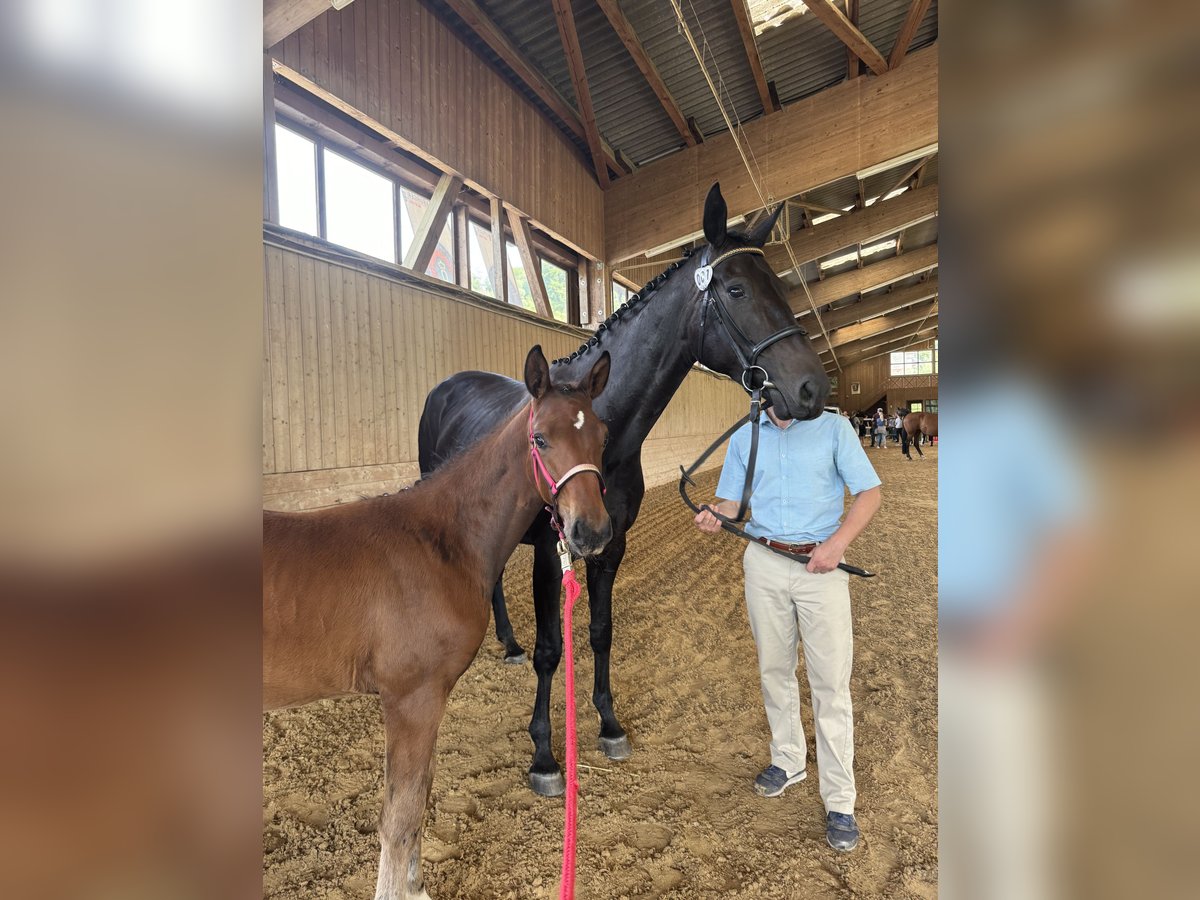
(808, 390)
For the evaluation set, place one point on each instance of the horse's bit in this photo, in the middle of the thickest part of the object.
(710, 299)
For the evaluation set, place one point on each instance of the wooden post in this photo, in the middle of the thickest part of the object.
(462, 245)
(499, 251)
(420, 251)
(270, 176)
(529, 259)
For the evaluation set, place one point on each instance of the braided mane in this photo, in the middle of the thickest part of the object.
(630, 306)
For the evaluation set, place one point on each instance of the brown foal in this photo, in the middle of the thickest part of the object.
(391, 596)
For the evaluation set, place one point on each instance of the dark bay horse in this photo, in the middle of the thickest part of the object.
(655, 340)
(915, 425)
(389, 596)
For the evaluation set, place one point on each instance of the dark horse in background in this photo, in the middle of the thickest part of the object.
(913, 427)
(654, 340)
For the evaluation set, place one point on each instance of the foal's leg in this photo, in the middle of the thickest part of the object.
(411, 722)
(514, 653)
(601, 573)
(545, 776)
(917, 442)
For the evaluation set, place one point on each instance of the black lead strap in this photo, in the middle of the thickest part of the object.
(709, 298)
(727, 523)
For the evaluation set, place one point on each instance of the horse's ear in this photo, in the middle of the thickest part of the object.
(761, 229)
(597, 379)
(537, 372)
(716, 216)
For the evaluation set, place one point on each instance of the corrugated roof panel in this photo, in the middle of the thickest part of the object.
(713, 27)
(802, 57)
(880, 22)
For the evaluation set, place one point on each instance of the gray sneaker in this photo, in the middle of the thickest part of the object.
(773, 781)
(841, 831)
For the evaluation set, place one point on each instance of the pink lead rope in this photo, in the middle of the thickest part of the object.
(571, 590)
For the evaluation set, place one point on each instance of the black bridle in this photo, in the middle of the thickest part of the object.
(754, 384)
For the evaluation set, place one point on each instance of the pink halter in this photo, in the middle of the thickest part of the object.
(539, 467)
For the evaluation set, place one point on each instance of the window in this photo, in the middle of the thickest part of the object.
(332, 196)
(557, 291)
(359, 207)
(483, 279)
(931, 406)
(915, 362)
(327, 194)
(296, 164)
(620, 295)
(915, 406)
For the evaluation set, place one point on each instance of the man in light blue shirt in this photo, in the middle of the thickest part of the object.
(797, 498)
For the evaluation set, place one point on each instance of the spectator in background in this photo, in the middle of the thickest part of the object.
(880, 429)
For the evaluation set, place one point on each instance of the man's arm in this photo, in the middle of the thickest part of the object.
(827, 555)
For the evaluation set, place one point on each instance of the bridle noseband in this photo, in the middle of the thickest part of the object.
(540, 470)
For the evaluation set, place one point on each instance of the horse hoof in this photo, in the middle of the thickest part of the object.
(519, 660)
(616, 748)
(551, 784)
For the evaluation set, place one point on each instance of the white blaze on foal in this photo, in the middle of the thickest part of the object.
(579, 420)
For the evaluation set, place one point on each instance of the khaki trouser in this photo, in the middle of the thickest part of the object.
(787, 605)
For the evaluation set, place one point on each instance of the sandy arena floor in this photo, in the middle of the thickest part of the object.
(679, 819)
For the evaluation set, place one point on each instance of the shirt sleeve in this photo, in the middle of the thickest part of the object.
(852, 463)
(733, 473)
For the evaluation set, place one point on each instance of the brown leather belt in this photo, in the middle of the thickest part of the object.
(803, 549)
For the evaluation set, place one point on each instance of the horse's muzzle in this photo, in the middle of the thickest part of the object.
(587, 539)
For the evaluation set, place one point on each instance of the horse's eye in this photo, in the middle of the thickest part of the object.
(540, 440)
(606, 440)
(736, 293)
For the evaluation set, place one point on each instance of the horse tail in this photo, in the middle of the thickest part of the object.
(904, 437)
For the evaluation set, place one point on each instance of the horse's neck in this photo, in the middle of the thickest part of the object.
(650, 360)
(488, 498)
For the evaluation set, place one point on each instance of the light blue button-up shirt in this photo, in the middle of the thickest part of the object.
(798, 493)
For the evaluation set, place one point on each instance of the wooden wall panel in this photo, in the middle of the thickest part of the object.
(398, 63)
(350, 353)
(873, 375)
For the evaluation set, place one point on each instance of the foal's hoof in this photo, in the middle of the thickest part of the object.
(548, 784)
(517, 659)
(616, 748)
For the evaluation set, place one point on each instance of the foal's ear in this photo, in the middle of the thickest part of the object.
(537, 372)
(716, 215)
(597, 379)
(762, 228)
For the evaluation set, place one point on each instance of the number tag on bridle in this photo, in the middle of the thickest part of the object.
(704, 277)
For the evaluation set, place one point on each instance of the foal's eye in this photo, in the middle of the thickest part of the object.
(540, 440)
(736, 293)
(606, 440)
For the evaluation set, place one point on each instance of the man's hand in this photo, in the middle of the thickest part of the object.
(825, 557)
(707, 522)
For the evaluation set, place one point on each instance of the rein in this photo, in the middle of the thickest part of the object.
(754, 385)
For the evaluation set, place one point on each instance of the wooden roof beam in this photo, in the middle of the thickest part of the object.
(746, 29)
(641, 59)
(851, 127)
(490, 33)
(564, 17)
(896, 340)
(877, 304)
(916, 12)
(859, 227)
(851, 333)
(835, 20)
(282, 17)
(868, 278)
